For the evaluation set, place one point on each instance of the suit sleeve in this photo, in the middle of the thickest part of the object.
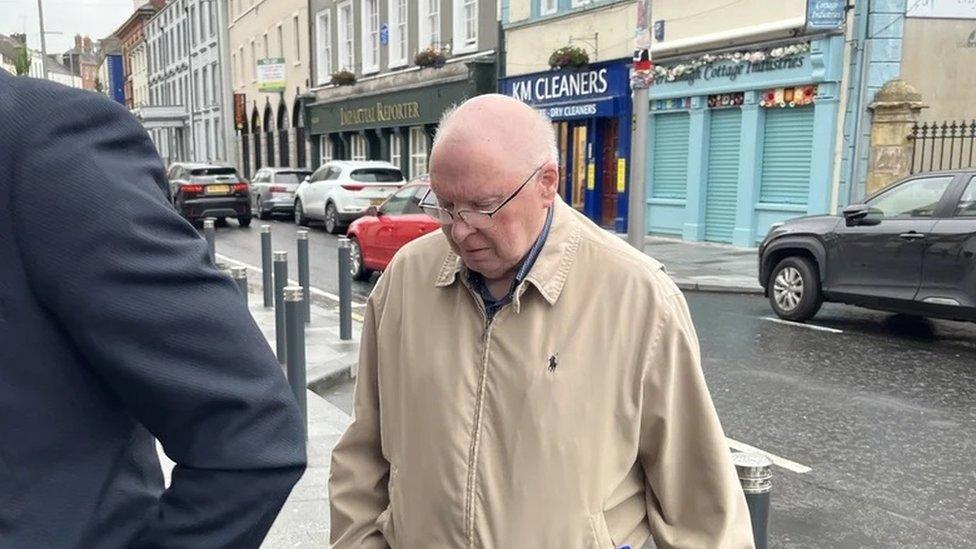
(693, 494)
(133, 287)
(358, 482)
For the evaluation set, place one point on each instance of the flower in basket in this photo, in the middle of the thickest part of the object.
(568, 56)
(433, 56)
(343, 78)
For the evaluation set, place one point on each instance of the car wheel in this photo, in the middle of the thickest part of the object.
(221, 222)
(356, 266)
(332, 219)
(794, 291)
(300, 218)
(262, 213)
(244, 221)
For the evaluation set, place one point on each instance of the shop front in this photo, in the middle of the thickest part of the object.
(591, 110)
(742, 139)
(395, 123)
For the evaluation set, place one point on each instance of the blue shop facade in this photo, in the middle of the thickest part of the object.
(590, 108)
(741, 139)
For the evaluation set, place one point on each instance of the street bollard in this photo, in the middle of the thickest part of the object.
(266, 275)
(295, 327)
(303, 274)
(280, 281)
(755, 474)
(239, 274)
(345, 291)
(210, 234)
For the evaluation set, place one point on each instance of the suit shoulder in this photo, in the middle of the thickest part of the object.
(33, 104)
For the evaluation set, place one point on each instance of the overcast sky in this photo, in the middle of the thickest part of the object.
(95, 18)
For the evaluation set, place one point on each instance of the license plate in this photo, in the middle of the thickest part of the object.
(376, 201)
(217, 189)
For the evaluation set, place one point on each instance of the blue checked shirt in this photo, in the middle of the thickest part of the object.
(477, 281)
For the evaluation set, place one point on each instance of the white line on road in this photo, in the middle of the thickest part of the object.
(802, 325)
(312, 289)
(779, 461)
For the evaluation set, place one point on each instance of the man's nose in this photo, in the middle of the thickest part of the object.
(460, 230)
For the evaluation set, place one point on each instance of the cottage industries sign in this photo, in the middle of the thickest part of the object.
(579, 93)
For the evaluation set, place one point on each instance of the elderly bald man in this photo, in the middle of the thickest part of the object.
(526, 379)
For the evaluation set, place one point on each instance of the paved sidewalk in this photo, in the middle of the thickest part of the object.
(707, 267)
(304, 519)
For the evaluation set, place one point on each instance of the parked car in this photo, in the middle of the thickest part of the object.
(340, 192)
(273, 190)
(910, 248)
(209, 190)
(376, 236)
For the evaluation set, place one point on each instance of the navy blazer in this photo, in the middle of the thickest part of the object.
(115, 328)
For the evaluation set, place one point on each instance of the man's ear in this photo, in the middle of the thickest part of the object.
(549, 181)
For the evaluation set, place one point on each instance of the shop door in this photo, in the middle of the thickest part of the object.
(608, 177)
(722, 181)
(565, 153)
(578, 190)
(787, 156)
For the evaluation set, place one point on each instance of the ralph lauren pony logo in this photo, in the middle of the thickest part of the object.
(553, 363)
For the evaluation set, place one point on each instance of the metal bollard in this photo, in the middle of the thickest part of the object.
(239, 274)
(210, 234)
(755, 474)
(280, 281)
(303, 274)
(295, 327)
(345, 291)
(266, 275)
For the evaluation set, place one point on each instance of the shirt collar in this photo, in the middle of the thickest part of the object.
(550, 267)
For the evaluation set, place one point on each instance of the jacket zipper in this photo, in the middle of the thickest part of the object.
(476, 438)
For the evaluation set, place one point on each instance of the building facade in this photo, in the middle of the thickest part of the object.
(82, 61)
(590, 105)
(132, 38)
(270, 34)
(392, 109)
(743, 118)
(184, 88)
(111, 77)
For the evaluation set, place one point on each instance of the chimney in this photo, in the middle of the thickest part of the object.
(87, 44)
(78, 42)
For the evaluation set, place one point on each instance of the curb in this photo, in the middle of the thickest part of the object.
(325, 383)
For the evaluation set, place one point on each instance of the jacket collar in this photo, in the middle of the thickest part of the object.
(552, 266)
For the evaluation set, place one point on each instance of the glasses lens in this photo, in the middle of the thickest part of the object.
(475, 220)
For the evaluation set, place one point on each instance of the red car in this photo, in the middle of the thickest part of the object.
(376, 236)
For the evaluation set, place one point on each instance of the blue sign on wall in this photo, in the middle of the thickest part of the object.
(825, 14)
(384, 34)
(595, 90)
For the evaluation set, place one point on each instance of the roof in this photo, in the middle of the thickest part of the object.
(362, 164)
(8, 48)
(54, 65)
(281, 169)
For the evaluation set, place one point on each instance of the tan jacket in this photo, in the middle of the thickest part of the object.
(579, 418)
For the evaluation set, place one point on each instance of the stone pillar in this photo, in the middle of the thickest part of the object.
(895, 110)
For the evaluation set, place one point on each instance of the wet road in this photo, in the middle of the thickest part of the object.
(881, 408)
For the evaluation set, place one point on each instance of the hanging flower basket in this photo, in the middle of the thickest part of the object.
(343, 78)
(569, 56)
(434, 57)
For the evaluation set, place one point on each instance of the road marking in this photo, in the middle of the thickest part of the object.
(312, 289)
(779, 461)
(803, 325)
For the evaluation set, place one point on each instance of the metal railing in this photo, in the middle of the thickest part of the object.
(943, 146)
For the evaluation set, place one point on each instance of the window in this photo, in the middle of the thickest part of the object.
(233, 63)
(418, 151)
(206, 138)
(325, 149)
(465, 26)
(212, 25)
(242, 74)
(216, 136)
(430, 23)
(398, 32)
(376, 175)
(296, 32)
(395, 150)
(323, 48)
(205, 84)
(281, 42)
(915, 198)
(548, 7)
(357, 146)
(200, 23)
(579, 3)
(196, 89)
(371, 35)
(254, 62)
(967, 204)
(345, 27)
(267, 52)
(215, 82)
(193, 17)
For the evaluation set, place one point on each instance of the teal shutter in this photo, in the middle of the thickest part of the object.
(787, 154)
(723, 174)
(670, 169)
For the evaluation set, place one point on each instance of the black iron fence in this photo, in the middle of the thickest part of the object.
(943, 146)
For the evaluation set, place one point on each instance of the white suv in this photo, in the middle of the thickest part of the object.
(342, 190)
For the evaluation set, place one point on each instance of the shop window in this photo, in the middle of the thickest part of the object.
(548, 7)
(325, 149)
(357, 146)
(418, 152)
(579, 166)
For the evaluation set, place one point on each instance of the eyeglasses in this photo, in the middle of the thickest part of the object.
(476, 219)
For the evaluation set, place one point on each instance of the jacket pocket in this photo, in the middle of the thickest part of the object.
(600, 533)
(386, 521)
